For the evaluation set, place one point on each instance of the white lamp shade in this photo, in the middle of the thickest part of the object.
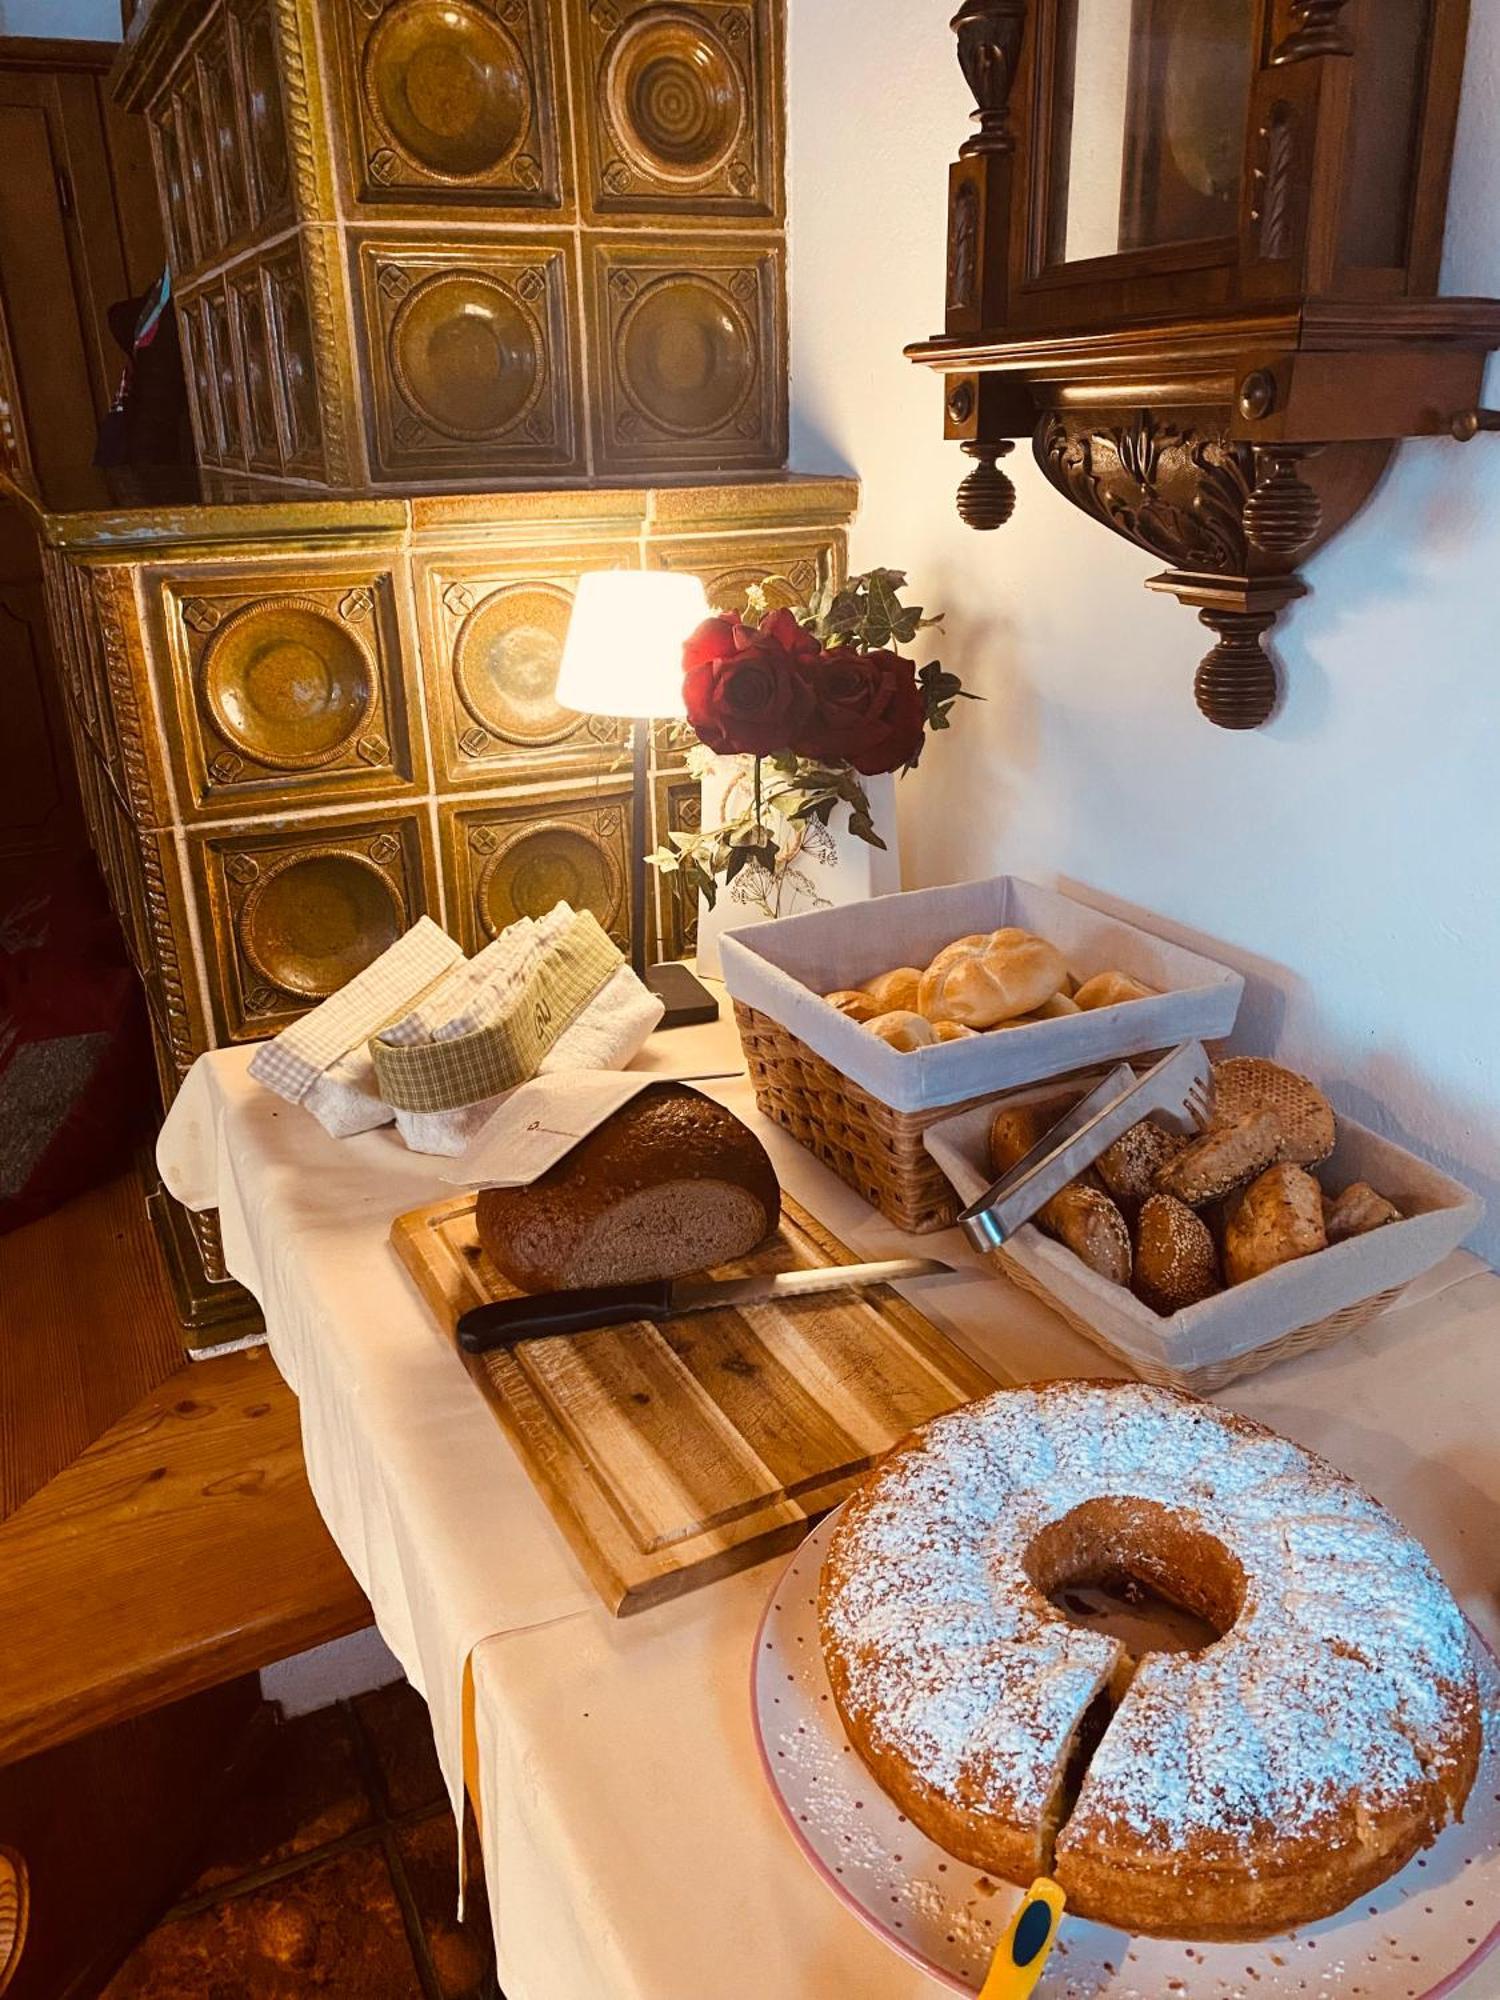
(623, 654)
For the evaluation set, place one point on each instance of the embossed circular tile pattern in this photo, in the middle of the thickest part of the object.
(676, 100)
(548, 865)
(314, 922)
(450, 85)
(687, 356)
(465, 355)
(287, 683)
(505, 662)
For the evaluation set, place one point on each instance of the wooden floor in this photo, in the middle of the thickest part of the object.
(162, 1537)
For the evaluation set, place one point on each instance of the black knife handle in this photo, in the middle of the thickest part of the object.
(505, 1321)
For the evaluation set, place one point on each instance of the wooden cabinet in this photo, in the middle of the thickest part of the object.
(39, 812)
(78, 233)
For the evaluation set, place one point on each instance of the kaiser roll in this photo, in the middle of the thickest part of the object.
(982, 982)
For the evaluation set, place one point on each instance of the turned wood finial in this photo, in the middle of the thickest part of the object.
(1236, 684)
(1282, 513)
(987, 498)
(989, 47)
(1320, 31)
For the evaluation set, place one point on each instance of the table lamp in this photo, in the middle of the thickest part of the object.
(623, 656)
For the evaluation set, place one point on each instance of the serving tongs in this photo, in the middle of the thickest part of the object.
(1180, 1087)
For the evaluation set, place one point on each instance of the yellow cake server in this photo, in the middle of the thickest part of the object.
(1027, 1945)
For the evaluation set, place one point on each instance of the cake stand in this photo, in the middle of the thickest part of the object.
(1420, 1936)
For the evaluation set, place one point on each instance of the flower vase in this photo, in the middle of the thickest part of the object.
(816, 867)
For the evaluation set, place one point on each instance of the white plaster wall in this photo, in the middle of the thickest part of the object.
(1345, 857)
(79, 20)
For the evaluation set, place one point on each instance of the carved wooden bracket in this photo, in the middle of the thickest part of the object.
(1283, 514)
(989, 47)
(987, 497)
(1228, 517)
(1236, 685)
(1167, 486)
(1320, 31)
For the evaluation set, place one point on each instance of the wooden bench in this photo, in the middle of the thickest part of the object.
(158, 1545)
(178, 1549)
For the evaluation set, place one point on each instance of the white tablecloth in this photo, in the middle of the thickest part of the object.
(631, 1848)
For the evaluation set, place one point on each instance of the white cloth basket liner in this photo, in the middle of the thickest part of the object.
(783, 969)
(1438, 1213)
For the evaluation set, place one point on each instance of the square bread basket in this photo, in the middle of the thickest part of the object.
(861, 1106)
(1301, 1306)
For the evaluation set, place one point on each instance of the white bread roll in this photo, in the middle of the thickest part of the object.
(1111, 989)
(855, 1002)
(982, 982)
(895, 990)
(903, 1029)
(1055, 1009)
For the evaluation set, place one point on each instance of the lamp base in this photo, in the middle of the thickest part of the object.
(687, 1001)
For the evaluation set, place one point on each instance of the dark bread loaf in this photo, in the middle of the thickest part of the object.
(671, 1184)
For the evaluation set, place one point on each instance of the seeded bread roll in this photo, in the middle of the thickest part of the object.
(670, 1184)
(1357, 1211)
(1089, 1224)
(1222, 1159)
(1277, 1218)
(1129, 1167)
(895, 991)
(1249, 1083)
(855, 1002)
(1176, 1262)
(903, 1029)
(1111, 989)
(1016, 1128)
(984, 981)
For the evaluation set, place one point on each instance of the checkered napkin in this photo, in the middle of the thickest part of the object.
(300, 1054)
(503, 1030)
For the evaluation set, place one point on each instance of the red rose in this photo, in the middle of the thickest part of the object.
(753, 697)
(713, 640)
(868, 712)
(793, 638)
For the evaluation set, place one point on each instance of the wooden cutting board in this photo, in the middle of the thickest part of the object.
(673, 1455)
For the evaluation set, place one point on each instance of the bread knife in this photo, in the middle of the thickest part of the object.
(537, 1315)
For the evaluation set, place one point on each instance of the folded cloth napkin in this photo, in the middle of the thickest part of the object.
(496, 978)
(583, 1008)
(323, 1061)
(611, 1031)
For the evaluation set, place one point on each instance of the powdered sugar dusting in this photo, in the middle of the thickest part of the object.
(1344, 1688)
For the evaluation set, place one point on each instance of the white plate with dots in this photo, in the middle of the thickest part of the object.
(1420, 1936)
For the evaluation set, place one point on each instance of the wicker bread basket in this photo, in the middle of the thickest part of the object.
(862, 1107)
(1210, 1376)
(873, 1149)
(1293, 1310)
